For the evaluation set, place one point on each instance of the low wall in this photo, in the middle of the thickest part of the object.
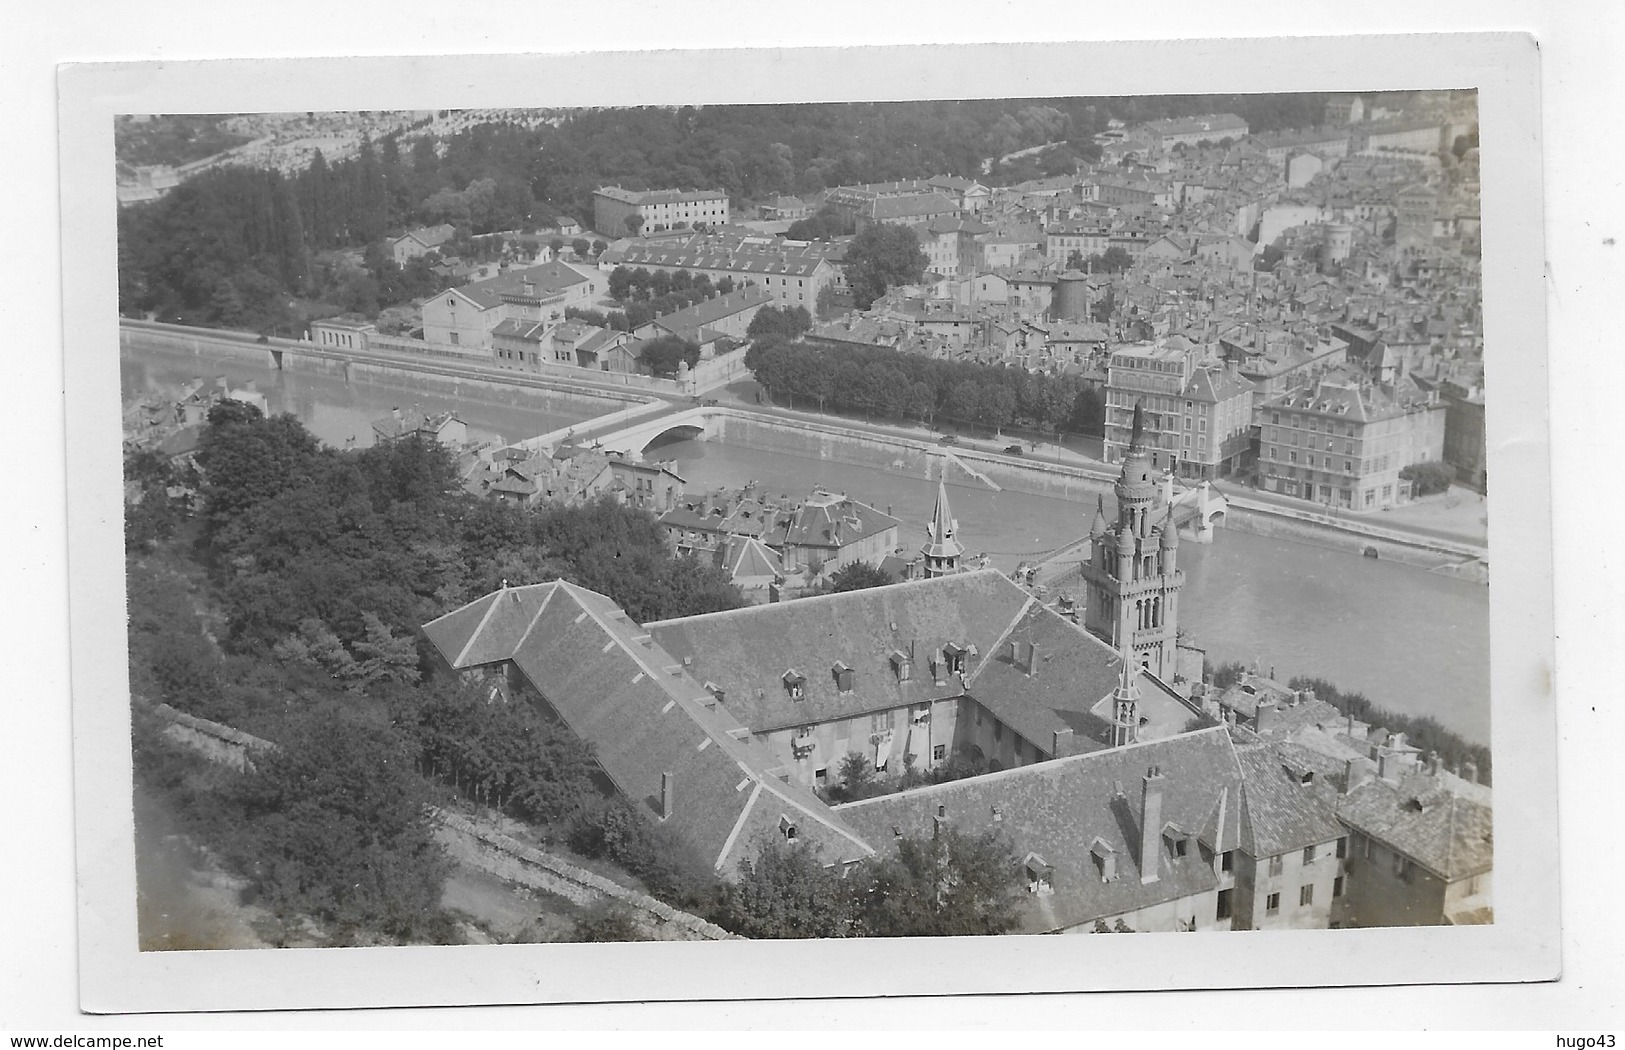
(507, 858)
(468, 842)
(216, 742)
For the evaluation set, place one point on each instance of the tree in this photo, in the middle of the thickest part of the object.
(1428, 478)
(556, 246)
(634, 224)
(786, 891)
(952, 884)
(581, 246)
(857, 772)
(880, 257)
(599, 247)
(779, 323)
(334, 825)
(857, 575)
(663, 355)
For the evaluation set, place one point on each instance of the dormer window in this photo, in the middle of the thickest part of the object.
(954, 658)
(787, 828)
(901, 665)
(844, 676)
(795, 684)
(1040, 875)
(1105, 859)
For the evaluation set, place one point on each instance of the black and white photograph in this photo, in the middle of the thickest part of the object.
(841, 526)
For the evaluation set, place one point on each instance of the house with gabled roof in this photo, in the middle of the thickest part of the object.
(414, 244)
(665, 740)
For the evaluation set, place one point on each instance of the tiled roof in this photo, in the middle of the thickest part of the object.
(710, 311)
(747, 557)
(747, 651)
(645, 717)
(1448, 834)
(1280, 812)
(1059, 810)
(548, 279)
(1072, 672)
(833, 522)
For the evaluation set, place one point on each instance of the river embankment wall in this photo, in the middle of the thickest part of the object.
(549, 392)
(918, 457)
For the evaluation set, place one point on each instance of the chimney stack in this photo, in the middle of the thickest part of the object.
(1032, 659)
(1353, 775)
(1469, 771)
(1150, 824)
(667, 796)
(1387, 764)
(1263, 715)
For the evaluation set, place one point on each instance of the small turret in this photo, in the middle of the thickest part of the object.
(1098, 529)
(1170, 532)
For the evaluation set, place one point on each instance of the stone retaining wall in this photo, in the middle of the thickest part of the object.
(467, 841)
(509, 859)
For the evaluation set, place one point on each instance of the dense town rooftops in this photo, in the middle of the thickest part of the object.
(1347, 396)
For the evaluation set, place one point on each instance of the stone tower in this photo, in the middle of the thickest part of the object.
(942, 548)
(1132, 575)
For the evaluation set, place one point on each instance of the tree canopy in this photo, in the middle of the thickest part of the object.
(857, 575)
(879, 257)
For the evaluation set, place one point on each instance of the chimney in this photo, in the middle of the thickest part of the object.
(1150, 824)
(1032, 659)
(1435, 764)
(1353, 775)
(1469, 771)
(396, 412)
(667, 799)
(1263, 715)
(1387, 764)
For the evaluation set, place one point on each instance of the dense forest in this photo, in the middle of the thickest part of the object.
(900, 385)
(247, 248)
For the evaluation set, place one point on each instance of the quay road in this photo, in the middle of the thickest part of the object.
(744, 396)
(448, 365)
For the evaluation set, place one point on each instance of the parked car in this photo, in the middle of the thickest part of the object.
(949, 439)
(1013, 450)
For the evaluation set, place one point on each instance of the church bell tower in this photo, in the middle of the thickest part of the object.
(1132, 575)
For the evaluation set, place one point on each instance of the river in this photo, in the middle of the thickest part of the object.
(1412, 641)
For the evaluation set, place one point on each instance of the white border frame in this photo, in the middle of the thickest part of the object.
(1522, 945)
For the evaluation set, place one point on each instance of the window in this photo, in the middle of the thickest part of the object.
(1272, 903)
(1309, 854)
(1342, 848)
(939, 752)
(1275, 865)
(1306, 895)
(998, 730)
(454, 339)
(1224, 909)
(1337, 887)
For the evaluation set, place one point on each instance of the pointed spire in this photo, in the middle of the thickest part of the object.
(1125, 700)
(1170, 531)
(1099, 527)
(1136, 441)
(942, 547)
